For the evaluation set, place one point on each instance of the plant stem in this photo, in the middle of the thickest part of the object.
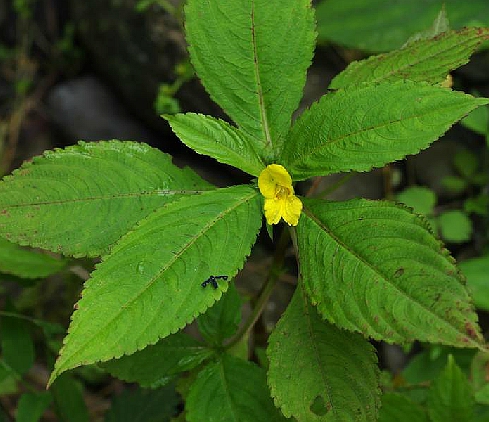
(266, 291)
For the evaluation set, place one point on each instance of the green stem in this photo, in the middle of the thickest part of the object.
(273, 275)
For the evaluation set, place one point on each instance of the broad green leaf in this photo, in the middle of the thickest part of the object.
(68, 398)
(17, 345)
(150, 284)
(157, 364)
(31, 406)
(455, 226)
(477, 272)
(350, 131)
(424, 60)
(373, 267)
(231, 389)
(252, 57)
(319, 372)
(25, 263)
(383, 25)
(451, 398)
(82, 199)
(144, 406)
(420, 198)
(217, 139)
(222, 320)
(370, 125)
(399, 408)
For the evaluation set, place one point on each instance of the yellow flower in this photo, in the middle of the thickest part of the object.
(280, 202)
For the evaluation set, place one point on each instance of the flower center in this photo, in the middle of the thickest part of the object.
(281, 192)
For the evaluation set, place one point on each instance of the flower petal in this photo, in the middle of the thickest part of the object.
(270, 177)
(273, 210)
(292, 210)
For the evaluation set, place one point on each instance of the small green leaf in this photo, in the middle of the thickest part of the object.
(222, 319)
(477, 272)
(336, 368)
(424, 60)
(455, 226)
(454, 184)
(68, 397)
(466, 163)
(477, 120)
(152, 278)
(82, 199)
(157, 364)
(370, 125)
(231, 389)
(427, 365)
(16, 344)
(217, 139)
(358, 23)
(399, 408)
(31, 406)
(478, 204)
(440, 25)
(252, 57)
(144, 406)
(25, 263)
(420, 198)
(451, 398)
(373, 267)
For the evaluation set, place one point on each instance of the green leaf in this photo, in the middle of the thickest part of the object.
(383, 25)
(17, 344)
(373, 267)
(31, 406)
(399, 408)
(217, 139)
(427, 365)
(477, 272)
(477, 120)
(152, 278)
(68, 397)
(420, 198)
(368, 126)
(144, 406)
(222, 319)
(252, 57)
(466, 163)
(451, 398)
(424, 60)
(337, 369)
(478, 204)
(455, 226)
(82, 199)
(440, 25)
(231, 389)
(454, 184)
(157, 364)
(25, 263)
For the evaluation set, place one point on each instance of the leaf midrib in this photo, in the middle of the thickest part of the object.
(157, 192)
(325, 229)
(301, 158)
(256, 68)
(424, 59)
(317, 354)
(153, 280)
